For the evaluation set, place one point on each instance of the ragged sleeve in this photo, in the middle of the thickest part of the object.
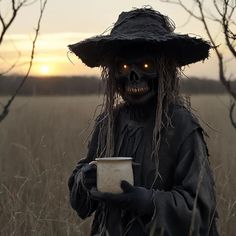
(80, 199)
(190, 207)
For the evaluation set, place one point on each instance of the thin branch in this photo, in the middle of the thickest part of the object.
(231, 12)
(231, 112)
(225, 18)
(2, 21)
(180, 3)
(219, 55)
(189, 17)
(225, 24)
(188, 10)
(8, 104)
(12, 66)
(217, 8)
(30, 3)
(8, 70)
(206, 26)
(5, 25)
(211, 16)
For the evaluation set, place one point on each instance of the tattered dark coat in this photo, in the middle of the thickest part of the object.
(177, 191)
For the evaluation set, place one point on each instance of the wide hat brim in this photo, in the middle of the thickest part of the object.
(99, 51)
(141, 29)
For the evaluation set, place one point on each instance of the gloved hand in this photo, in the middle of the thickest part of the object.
(89, 176)
(136, 199)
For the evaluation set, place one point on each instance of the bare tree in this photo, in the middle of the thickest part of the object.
(6, 22)
(223, 14)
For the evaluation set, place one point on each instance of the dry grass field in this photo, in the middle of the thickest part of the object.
(42, 139)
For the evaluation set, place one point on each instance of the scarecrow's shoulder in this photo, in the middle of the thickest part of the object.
(183, 117)
(183, 123)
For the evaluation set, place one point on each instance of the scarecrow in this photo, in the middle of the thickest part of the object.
(173, 191)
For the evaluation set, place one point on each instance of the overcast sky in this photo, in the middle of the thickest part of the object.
(69, 21)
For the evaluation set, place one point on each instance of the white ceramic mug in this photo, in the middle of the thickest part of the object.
(111, 171)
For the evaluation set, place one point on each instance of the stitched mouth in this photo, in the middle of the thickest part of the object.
(137, 90)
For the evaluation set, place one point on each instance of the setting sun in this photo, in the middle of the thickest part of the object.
(44, 70)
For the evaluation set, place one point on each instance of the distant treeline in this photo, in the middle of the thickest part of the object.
(81, 85)
(74, 85)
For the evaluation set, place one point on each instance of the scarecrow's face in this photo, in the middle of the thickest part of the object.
(137, 78)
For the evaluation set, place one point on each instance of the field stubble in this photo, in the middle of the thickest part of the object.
(42, 139)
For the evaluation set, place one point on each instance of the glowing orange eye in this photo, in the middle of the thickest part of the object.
(145, 65)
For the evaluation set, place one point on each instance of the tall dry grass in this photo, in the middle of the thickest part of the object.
(42, 139)
(214, 111)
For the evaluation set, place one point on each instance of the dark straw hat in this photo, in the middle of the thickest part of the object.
(142, 28)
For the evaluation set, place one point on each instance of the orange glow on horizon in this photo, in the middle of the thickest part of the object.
(44, 70)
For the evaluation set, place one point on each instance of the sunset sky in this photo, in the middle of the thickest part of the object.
(69, 21)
